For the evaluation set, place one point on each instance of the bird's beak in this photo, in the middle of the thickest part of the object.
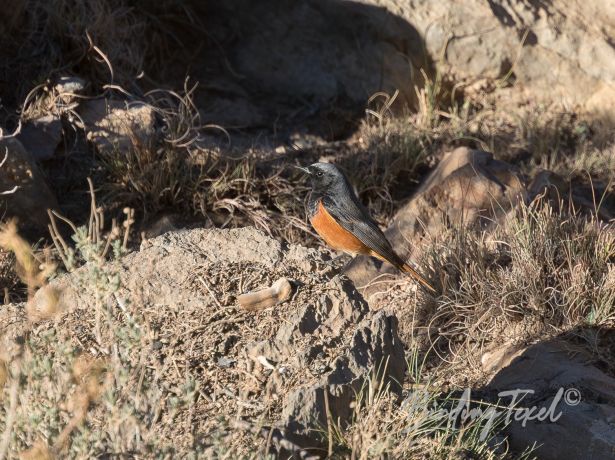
(305, 170)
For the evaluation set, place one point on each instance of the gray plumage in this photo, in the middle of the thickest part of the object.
(330, 186)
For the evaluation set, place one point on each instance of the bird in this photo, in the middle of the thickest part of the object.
(344, 223)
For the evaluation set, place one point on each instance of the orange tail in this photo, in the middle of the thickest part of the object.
(422, 281)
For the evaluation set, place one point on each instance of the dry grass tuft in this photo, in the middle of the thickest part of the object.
(175, 172)
(537, 273)
(384, 429)
(52, 386)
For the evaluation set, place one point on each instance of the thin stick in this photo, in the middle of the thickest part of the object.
(210, 291)
(329, 424)
(94, 228)
(67, 221)
(58, 244)
(55, 234)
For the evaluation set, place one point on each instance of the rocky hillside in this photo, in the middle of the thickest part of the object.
(166, 297)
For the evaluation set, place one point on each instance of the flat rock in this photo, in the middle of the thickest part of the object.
(586, 402)
(118, 125)
(68, 87)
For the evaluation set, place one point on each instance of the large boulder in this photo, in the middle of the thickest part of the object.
(320, 54)
(319, 57)
(557, 51)
(562, 374)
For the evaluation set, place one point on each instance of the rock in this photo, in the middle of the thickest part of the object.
(586, 402)
(315, 53)
(68, 87)
(468, 187)
(324, 340)
(118, 125)
(375, 349)
(501, 356)
(65, 96)
(32, 197)
(41, 136)
(225, 362)
(159, 225)
(311, 55)
(555, 51)
(550, 186)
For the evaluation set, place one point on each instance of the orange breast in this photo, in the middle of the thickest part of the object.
(334, 234)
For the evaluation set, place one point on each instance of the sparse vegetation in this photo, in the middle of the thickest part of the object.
(121, 378)
(538, 274)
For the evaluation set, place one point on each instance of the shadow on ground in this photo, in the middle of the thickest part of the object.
(282, 65)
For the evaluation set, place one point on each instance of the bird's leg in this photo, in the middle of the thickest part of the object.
(348, 264)
(338, 258)
(331, 265)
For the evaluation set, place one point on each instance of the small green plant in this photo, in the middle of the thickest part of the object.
(52, 386)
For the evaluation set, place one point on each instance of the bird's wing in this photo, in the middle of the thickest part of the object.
(352, 216)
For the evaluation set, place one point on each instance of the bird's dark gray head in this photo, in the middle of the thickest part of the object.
(325, 176)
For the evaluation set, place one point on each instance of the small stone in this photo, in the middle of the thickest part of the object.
(225, 362)
(41, 136)
(69, 85)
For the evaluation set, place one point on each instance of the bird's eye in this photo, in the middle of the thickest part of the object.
(320, 174)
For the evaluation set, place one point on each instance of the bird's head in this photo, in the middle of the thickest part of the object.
(324, 176)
